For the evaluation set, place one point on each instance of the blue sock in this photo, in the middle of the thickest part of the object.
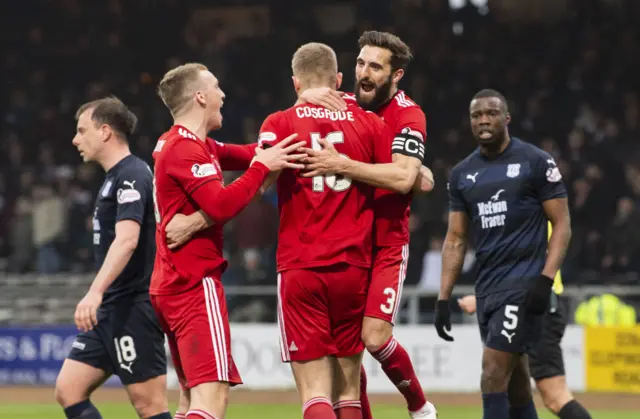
(83, 410)
(495, 406)
(528, 411)
(165, 415)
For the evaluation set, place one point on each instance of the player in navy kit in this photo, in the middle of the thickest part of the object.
(119, 331)
(504, 192)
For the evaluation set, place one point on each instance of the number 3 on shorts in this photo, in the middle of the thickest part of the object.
(387, 307)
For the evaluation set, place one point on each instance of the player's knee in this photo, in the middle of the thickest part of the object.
(149, 398)
(554, 397)
(375, 333)
(149, 404)
(495, 377)
(67, 394)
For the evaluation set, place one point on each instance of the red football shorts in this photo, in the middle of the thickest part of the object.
(320, 311)
(387, 276)
(196, 323)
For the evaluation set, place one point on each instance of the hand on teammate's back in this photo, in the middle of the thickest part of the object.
(443, 320)
(324, 96)
(539, 295)
(322, 162)
(86, 316)
(282, 155)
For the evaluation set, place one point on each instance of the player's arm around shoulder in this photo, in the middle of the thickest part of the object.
(398, 175)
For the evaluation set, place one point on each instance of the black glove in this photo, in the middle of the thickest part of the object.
(539, 295)
(443, 320)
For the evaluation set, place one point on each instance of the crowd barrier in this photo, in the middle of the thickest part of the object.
(599, 359)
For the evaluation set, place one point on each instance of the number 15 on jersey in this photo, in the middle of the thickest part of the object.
(333, 182)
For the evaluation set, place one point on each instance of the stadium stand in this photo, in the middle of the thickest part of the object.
(571, 81)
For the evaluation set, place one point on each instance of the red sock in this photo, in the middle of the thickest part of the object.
(199, 414)
(396, 363)
(364, 399)
(348, 409)
(318, 408)
(180, 416)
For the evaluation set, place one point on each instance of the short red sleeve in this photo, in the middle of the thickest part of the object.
(272, 131)
(191, 165)
(412, 121)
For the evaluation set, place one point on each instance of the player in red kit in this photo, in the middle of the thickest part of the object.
(324, 243)
(380, 66)
(186, 290)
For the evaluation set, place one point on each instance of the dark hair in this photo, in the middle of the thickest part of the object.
(492, 93)
(400, 52)
(111, 111)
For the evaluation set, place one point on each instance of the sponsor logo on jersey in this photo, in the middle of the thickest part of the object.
(203, 170)
(266, 137)
(553, 173)
(129, 194)
(159, 146)
(493, 212)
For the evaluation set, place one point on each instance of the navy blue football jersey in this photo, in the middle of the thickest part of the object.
(126, 194)
(503, 199)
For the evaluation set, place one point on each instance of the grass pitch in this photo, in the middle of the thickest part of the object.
(279, 411)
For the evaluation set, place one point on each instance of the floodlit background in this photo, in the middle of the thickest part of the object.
(569, 69)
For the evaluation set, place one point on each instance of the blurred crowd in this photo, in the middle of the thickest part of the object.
(571, 83)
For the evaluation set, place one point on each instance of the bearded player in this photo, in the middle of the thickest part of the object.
(380, 67)
(186, 289)
(324, 243)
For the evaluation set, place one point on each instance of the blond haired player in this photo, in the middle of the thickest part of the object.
(379, 68)
(186, 290)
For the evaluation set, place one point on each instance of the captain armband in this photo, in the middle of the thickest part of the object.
(409, 143)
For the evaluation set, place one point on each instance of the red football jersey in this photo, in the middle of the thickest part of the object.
(392, 210)
(182, 164)
(326, 219)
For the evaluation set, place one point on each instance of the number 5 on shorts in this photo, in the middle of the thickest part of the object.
(511, 313)
(388, 306)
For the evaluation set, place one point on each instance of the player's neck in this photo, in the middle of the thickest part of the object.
(194, 123)
(493, 152)
(114, 156)
(392, 92)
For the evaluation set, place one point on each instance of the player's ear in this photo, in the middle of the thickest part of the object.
(296, 84)
(105, 132)
(397, 75)
(507, 118)
(200, 98)
(338, 80)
